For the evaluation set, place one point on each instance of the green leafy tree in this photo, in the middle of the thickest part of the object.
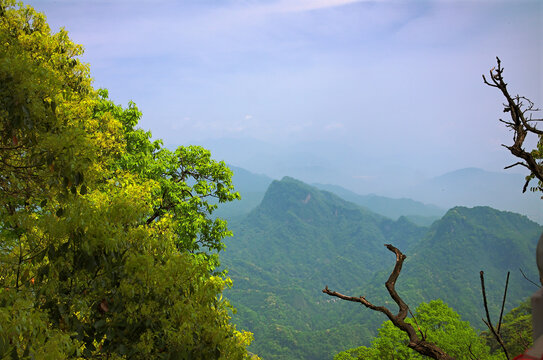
(106, 240)
(439, 323)
(186, 179)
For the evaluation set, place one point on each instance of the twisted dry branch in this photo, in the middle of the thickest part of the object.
(419, 345)
(520, 110)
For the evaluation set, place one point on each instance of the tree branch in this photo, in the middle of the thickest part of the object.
(503, 302)
(520, 125)
(488, 322)
(515, 164)
(522, 272)
(421, 346)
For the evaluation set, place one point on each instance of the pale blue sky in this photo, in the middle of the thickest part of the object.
(351, 90)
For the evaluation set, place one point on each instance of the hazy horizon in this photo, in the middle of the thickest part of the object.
(363, 94)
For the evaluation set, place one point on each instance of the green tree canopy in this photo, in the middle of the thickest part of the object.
(105, 236)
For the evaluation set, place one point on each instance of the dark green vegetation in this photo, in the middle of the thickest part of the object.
(300, 239)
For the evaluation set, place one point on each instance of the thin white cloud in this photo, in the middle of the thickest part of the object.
(304, 5)
(364, 177)
(334, 126)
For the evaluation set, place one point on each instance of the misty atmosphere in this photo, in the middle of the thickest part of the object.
(376, 96)
(343, 125)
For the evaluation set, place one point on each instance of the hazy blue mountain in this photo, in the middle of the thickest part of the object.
(246, 181)
(327, 162)
(416, 211)
(300, 238)
(477, 187)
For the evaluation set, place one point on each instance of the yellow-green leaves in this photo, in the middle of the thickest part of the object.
(190, 181)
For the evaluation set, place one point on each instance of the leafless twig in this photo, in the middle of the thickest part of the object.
(488, 322)
(503, 302)
(522, 272)
(471, 354)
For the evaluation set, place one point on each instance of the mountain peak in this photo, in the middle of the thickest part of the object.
(290, 196)
(502, 224)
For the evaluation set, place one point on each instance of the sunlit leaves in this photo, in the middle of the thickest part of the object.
(188, 180)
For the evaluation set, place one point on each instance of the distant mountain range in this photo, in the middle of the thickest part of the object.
(299, 239)
(327, 162)
(422, 203)
(416, 211)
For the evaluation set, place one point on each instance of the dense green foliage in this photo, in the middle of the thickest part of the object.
(104, 234)
(300, 239)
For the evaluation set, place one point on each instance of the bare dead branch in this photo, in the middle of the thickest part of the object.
(421, 346)
(520, 109)
(515, 164)
(522, 272)
(360, 299)
(509, 124)
(503, 302)
(488, 322)
(471, 354)
(526, 184)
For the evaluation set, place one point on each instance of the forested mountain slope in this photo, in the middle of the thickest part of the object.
(300, 239)
(447, 262)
